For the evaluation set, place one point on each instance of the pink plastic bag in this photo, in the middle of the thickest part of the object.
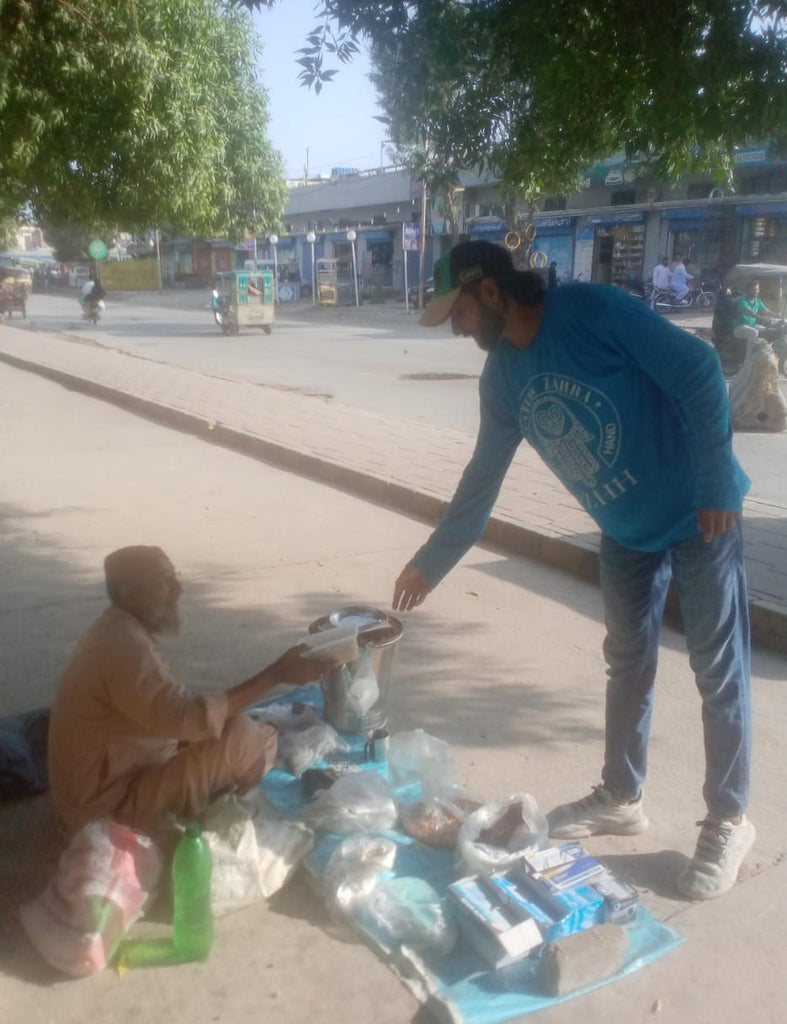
(104, 880)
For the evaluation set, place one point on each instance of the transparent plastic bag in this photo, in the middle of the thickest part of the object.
(356, 802)
(410, 911)
(437, 819)
(416, 756)
(298, 751)
(304, 738)
(354, 870)
(363, 690)
(496, 835)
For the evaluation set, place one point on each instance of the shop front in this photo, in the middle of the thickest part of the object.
(555, 237)
(708, 236)
(284, 262)
(376, 260)
(764, 232)
(610, 248)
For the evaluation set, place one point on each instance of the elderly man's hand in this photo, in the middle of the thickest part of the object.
(410, 589)
(295, 670)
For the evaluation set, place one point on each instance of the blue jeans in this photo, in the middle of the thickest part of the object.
(711, 583)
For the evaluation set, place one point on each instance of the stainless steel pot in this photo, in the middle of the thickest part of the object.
(355, 694)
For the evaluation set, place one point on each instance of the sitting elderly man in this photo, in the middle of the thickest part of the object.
(128, 741)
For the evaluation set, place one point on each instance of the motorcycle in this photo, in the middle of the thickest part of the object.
(91, 310)
(699, 296)
(637, 287)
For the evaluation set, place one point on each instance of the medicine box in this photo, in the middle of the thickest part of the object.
(500, 933)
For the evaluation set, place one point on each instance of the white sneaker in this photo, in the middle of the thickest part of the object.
(598, 814)
(721, 849)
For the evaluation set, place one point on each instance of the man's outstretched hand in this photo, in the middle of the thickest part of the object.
(410, 589)
(295, 670)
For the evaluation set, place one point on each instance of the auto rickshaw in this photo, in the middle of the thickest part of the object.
(243, 298)
(16, 283)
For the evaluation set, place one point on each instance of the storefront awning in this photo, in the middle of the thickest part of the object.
(761, 210)
(498, 228)
(554, 226)
(376, 236)
(695, 214)
(632, 217)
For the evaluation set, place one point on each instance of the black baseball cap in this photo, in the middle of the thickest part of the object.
(465, 263)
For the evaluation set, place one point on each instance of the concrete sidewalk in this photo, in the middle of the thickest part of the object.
(407, 467)
(503, 662)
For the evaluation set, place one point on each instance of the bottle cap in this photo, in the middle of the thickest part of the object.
(193, 830)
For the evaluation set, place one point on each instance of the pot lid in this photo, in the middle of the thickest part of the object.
(358, 615)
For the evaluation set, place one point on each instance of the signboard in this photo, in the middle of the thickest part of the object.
(97, 250)
(411, 237)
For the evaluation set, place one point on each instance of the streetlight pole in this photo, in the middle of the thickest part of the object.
(351, 236)
(311, 238)
(158, 260)
(274, 240)
(422, 255)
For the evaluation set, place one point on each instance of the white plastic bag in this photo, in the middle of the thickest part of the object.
(356, 802)
(254, 851)
(496, 835)
(353, 871)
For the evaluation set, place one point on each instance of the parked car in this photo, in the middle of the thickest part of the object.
(412, 293)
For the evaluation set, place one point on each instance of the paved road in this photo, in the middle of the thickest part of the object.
(378, 359)
(383, 362)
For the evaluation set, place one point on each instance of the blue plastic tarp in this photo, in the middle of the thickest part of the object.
(459, 987)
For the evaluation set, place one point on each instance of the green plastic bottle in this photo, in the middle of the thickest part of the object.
(192, 917)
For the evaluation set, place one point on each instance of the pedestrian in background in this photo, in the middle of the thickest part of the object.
(632, 415)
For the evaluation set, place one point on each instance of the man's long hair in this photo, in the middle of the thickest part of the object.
(526, 287)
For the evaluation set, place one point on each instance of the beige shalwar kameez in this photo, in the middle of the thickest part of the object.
(126, 740)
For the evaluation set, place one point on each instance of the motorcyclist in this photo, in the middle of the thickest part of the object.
(92, 293)
(679, 279)
(660, 278)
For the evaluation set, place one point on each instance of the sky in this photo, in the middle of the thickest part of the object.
(337, 126)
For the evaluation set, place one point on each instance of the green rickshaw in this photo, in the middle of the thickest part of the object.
(243, 298)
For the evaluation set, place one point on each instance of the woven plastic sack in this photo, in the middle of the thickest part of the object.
(104, 881)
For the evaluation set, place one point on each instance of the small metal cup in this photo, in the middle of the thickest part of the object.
(376, 747)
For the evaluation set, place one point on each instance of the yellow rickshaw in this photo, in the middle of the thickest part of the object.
(16, 283)
(243, 298)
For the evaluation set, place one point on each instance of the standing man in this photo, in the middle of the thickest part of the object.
(660, 278)
(632, 415)
(129, 742)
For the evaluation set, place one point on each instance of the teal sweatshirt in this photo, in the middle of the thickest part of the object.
(629, 411)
